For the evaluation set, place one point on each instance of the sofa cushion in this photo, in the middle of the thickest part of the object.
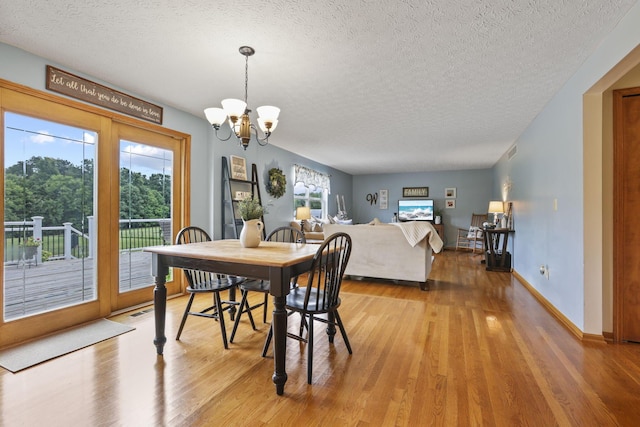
(312, 231)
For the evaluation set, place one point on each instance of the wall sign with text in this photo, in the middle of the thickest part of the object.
(415, 191)
(71, 85)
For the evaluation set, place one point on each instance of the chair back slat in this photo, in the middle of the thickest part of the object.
(478, 219)
(195, 278)
(286, 234)
(325, 277)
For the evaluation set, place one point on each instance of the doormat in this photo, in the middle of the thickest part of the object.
(32, 353)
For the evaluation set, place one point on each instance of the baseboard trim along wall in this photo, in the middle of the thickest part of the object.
(561, 318)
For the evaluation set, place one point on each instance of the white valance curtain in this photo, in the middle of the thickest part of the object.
(312, 178)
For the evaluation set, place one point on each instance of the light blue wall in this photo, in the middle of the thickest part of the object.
(279, 211)
(548, 167)
(26, 69)
(473, 192)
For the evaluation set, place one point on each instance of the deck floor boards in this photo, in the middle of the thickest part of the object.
(31, 288)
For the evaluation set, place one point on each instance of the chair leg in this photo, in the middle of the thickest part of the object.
(184, 316)
(310, 350)
(303, 323)
(244, 307)
(343, 332)
(223, 330)
(266, 305)
(267, 342)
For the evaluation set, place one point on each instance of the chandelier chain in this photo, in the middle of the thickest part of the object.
(246, 78)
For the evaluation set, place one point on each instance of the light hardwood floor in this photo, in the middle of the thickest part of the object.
(477, 349)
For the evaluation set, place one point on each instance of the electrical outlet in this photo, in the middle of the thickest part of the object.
(544, 270)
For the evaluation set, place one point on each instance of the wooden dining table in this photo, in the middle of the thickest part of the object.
(274, 261)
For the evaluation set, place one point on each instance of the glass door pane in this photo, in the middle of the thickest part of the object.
(145, 209)
(49, 222)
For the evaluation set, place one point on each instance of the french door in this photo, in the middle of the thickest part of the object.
(84, 193)
(148, 177)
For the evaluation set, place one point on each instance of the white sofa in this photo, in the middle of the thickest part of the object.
(401, 251)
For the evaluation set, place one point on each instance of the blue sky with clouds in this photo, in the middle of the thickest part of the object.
(26, 137)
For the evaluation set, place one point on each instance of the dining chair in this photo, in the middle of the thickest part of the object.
(200, 282)
(321, 295)
(280, 234)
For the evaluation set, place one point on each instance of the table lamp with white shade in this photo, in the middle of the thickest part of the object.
(303, 213)
(496, 207)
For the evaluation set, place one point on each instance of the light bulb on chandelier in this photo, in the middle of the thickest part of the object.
(235, 111)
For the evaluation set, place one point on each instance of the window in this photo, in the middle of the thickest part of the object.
(316, 199)
(311, 188)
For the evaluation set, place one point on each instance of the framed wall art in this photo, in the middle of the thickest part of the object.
(384, 199)
(450, 193)
(450, 203)
(238, 167)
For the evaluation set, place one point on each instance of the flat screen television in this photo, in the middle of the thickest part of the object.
(415, 210)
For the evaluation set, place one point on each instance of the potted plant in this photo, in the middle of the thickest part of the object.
(438, 215)
(250, 208)
(30, 247)
(250, 211)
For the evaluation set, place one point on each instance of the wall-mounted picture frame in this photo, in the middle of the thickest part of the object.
(450, 203)
(238, 167)
(384, 199)
(450, 193)
(415, 191)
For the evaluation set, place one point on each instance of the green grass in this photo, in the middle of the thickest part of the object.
(129, 239)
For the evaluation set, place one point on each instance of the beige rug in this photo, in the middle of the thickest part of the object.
(32, 353)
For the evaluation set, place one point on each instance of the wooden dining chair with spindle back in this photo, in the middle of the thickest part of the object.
(321, 295)
(200, 282)
(280, 234)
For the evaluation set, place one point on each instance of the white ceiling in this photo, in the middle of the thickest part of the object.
(365, 86)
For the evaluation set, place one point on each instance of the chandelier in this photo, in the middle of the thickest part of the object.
(237, 113)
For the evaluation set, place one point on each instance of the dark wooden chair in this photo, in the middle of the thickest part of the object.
(471, 238)
(321, 295)
(280, 234)
(200, 282)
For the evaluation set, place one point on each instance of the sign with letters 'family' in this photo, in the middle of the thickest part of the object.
(415, 191)
(71, 85)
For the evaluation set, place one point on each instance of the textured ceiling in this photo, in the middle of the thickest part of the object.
(364, 86)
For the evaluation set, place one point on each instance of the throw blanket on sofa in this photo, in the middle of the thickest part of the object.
(415, 231)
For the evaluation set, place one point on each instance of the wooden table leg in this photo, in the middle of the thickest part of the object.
(160, 271)
(279, 322)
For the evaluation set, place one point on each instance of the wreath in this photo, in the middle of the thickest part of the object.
(277, 184)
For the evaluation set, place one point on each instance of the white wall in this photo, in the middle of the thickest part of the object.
(548, 167)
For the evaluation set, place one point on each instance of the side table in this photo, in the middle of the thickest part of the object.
(495, 246)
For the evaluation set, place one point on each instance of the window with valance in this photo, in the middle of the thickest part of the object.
(311, 188)
(312, 178)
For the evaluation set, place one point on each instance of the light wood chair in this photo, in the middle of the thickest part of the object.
(471, 238)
